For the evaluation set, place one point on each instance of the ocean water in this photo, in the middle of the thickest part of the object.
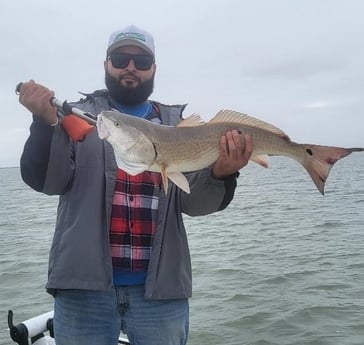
(283, 265)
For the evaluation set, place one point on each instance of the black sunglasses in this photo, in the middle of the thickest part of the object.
(142, 62)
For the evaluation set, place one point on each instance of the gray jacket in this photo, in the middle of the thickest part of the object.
(83, 174)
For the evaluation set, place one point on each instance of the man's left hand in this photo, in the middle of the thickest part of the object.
(235, 152)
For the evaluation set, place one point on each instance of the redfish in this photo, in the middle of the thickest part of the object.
(141, 145)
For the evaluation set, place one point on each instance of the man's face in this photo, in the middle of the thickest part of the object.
(127, 83)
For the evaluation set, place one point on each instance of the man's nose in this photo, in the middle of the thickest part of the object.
(131, 65)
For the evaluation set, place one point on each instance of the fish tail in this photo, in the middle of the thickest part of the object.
(318, 161)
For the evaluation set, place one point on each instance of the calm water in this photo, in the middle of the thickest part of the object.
(282, 265)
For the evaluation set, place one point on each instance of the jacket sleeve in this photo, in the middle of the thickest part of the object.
(208, 194)
(46, 162)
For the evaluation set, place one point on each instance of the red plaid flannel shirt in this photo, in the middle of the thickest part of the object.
(133, 219)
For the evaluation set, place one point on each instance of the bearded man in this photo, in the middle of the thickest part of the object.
(119, 260)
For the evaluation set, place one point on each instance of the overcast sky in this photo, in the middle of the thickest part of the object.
(298, 64)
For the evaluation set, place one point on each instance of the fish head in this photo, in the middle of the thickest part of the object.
(134, 151)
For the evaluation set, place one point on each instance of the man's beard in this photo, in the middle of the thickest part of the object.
(129, 95)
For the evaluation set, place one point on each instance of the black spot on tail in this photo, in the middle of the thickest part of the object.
(309, 151)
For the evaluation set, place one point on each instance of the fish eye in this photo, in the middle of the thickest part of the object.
(116, 124)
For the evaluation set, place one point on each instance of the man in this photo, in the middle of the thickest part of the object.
(119, 257)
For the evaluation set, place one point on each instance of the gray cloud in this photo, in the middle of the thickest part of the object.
(297, 64)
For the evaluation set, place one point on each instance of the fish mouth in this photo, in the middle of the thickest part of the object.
(102, 130)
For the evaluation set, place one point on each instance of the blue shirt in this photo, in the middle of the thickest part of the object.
(140, 110)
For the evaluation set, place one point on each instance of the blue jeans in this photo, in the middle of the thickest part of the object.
(85, 317)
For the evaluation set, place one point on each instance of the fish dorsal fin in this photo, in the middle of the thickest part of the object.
(234, 116)
(191, 121)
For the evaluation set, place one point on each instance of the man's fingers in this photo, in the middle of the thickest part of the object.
(223, 146)
(235, 145)
(248, 146)
(231, 144)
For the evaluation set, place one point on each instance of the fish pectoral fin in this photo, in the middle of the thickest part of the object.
(262, 160)
(176, 177)
(164, 179)
(180, 181)
(191, 121)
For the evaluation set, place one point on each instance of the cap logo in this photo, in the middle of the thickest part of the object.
(130, 35)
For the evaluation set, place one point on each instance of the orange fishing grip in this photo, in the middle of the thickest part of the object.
(76, 128)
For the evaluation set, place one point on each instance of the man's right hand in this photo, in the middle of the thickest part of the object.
(36, 98)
